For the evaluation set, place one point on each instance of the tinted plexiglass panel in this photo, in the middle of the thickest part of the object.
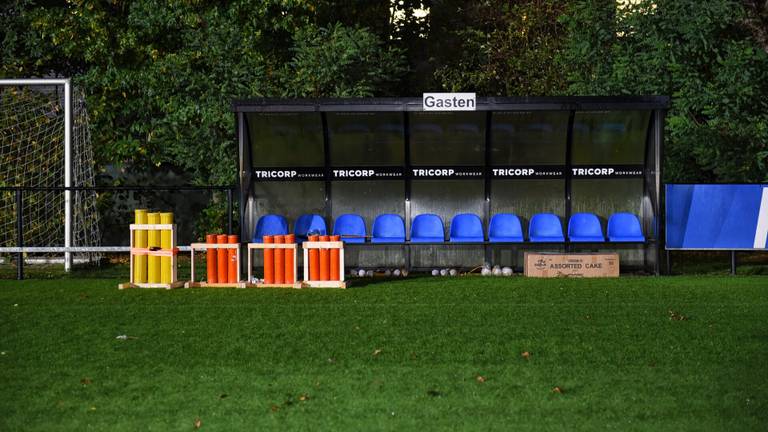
(610, 137)
(529, 138)
(368, 199)
(366, 139)
(290, 199)
(447, 138)
(286, 139)
(447, 198)
(525, 198)
(605, 197)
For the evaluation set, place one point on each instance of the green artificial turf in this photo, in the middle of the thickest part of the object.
(637, 353)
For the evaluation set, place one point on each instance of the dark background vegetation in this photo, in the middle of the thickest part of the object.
(160, 75)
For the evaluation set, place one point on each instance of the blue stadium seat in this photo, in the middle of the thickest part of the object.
(309, 224)
(427, 228)
(352, 225)
(466, 227)
(545, 227)
(505, 227)
(388, 228)
(270, 224)
(625, 227)
(585, 227)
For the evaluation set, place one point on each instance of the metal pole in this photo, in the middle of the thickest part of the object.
(67, 173)
(659, 206)
(21, 82)
(19, 235)
(733, 262)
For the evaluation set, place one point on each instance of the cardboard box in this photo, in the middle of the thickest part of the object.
(571, 265)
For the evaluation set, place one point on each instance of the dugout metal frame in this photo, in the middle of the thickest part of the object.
(652, 217)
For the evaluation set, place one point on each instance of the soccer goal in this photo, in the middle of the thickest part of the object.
(45, 150)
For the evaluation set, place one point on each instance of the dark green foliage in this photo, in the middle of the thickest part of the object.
(340, 61)
(160, 77)
(502, 48)
(700, 53)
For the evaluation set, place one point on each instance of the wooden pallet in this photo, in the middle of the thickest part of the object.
(265, 285)
(192, 284)
(323, 284)
(172, 285)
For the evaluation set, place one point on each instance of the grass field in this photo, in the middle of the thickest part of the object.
(639, 353)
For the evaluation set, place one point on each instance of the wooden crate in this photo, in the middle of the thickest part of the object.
(199, 247)
(261, 246)
(547, 265)
(175, 283)
(307, 245)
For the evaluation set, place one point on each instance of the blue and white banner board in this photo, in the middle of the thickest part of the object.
(710, 216)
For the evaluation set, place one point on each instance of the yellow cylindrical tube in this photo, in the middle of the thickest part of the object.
(166, 270)
(153, 241)
(140, 241)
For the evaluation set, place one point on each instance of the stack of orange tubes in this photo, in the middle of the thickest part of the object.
(221, 264)
(221, 259)
(324, 263)
(210, 258)
(279, 264)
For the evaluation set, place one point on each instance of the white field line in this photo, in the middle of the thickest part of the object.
(761, 232)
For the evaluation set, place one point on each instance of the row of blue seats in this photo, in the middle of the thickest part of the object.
(467, 227)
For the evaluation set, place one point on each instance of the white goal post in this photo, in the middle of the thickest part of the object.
(66, 82)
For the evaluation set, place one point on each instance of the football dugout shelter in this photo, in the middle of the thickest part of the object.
(412, 187)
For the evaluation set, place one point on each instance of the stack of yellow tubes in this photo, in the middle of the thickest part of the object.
(153, 241)
(165, 243)
(140, 241)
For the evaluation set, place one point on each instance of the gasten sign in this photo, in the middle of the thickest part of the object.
(449, 102)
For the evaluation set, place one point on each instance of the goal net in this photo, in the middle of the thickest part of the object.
(32, 151)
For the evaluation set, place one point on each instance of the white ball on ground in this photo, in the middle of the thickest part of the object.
(352, 272)
(485, 271)
(435, 272)
(361, 273)
(396, 273)
(506, 271)
(369, 273)
(453, 272)
(444, 272)
(496, 271)
(496, 267)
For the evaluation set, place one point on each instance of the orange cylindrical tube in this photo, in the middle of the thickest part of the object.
(232, 260)
(325, 261)
(269, 262)
(279, 261)
(290, 260)
(314, 260)
(221, 259)
(334, 271)
(210, 259)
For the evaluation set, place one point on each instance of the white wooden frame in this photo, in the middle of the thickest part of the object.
(307, 245)
(175, 283)
(256, 246)
(199, 247)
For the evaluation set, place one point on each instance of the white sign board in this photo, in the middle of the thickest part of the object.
(449, 102)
